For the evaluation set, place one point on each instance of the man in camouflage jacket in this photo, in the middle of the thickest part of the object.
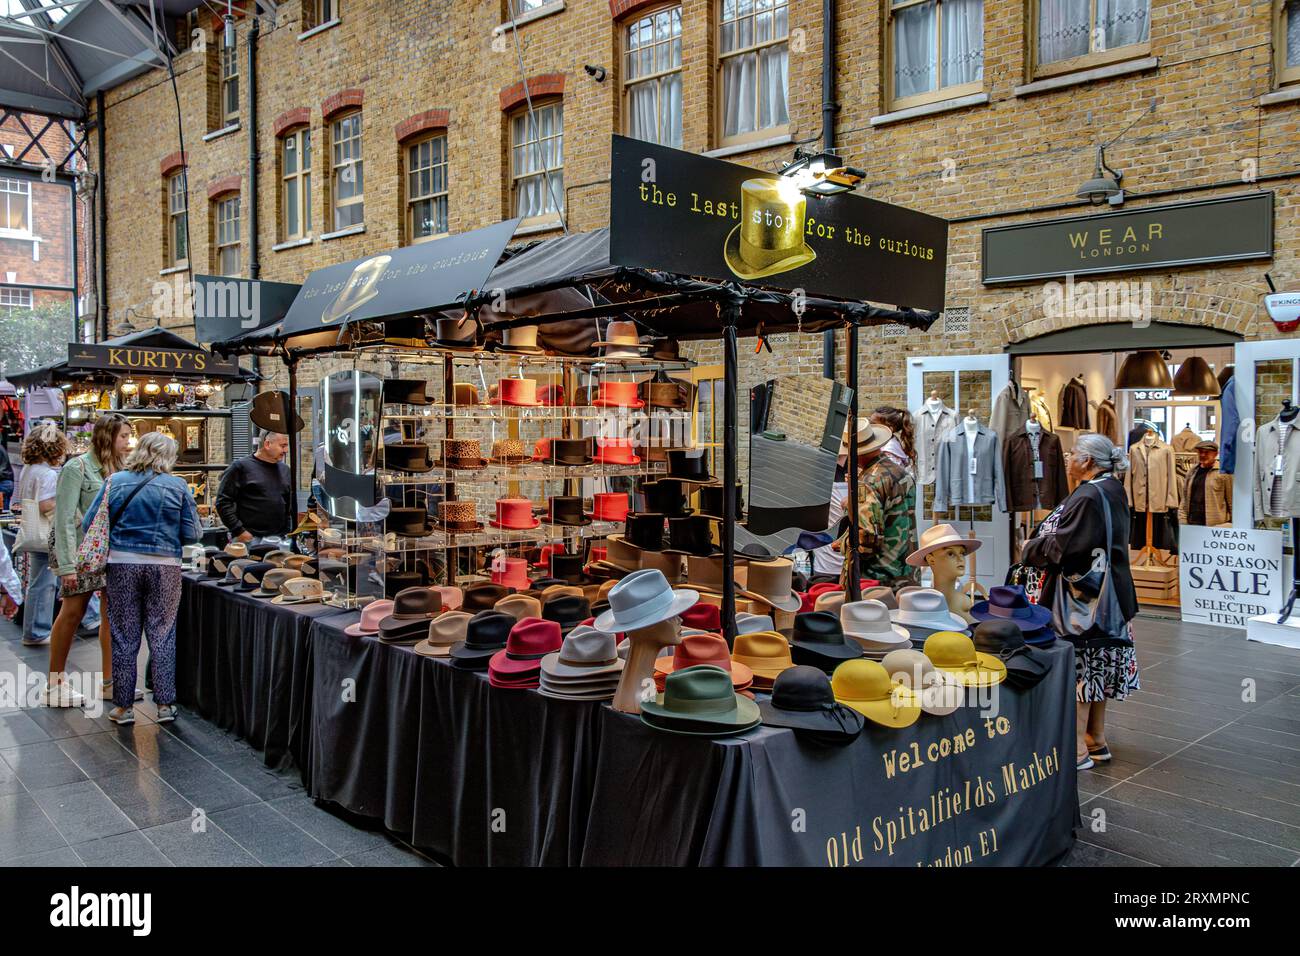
(886, 513)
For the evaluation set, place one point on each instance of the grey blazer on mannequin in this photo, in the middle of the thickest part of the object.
(951, 474)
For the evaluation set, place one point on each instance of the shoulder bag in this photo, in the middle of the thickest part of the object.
(92, 552)
(34, 528)
(1084, 608)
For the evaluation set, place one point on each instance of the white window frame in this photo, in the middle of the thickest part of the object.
(228, 78)
(761, 132)
(296, 183)
(338, 169)
(17, 187)
(10, 296)
(177, 219)
(655, 77)
(412, 197)
(226, 221)
(940, 92)
(1087, 61)
(530, 143)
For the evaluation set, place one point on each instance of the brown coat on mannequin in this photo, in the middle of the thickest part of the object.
(1018, 462)
(1152, 478)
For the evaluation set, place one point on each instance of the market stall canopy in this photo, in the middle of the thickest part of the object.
(59, 53)
(131, 354)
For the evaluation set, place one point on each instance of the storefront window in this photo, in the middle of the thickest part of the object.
(347, 182)
(295, 168)
(537, 160)
(426, 191)
(15, 205)
(936, 49)
(652, 77)
(1076, 34)
(754, 59)
(227, 222)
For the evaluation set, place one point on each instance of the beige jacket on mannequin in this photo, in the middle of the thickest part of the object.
(1152, 478)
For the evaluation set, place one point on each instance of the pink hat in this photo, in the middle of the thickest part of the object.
(514, 576)
(452, 597)
(371, 615)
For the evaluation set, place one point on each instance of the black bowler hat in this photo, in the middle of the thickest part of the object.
(803, 701)
(567, 610)
(250, 578)
(711, 501)
(408, 522)
(818, 640)
(483, 596)
(691, 535)
(566, 510)
(645, 530)
(410, 456)
(567, 451)
(567, 567)
(665, 496)
(690, 465)
(485, 634)
(395, 581)
(1026, 665)
(457, 334)
(403, 391)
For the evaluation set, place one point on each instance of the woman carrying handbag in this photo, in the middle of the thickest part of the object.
(1082, 548)
(43, 451)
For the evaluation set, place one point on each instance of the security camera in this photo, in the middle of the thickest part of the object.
(598, 72)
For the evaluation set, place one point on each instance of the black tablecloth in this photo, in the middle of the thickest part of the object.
(480, 775)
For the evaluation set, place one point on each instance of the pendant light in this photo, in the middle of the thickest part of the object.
(1144, 369)
(1195, 378)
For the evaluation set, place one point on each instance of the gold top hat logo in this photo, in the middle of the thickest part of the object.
(361, 287)
(770, 237)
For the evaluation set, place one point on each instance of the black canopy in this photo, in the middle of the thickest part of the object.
(156, 337)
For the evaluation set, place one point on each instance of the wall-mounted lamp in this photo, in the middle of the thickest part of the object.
(1102, 187)
(822, 174)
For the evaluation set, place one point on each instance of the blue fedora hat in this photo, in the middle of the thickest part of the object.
(1009, 603)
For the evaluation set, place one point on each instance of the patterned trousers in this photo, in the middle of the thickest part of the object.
(143, 598)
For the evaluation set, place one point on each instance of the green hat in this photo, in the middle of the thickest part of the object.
(700, 701)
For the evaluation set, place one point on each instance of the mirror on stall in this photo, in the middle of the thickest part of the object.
(347, 442)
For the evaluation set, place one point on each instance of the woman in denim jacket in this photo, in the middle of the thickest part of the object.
(151, 515)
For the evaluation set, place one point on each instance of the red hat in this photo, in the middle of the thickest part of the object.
(514, 576)
(551, 395)
(544, 561)
(514, 513)
(703, 649)
(822, 587)
(517, 391)
(702, 617)
(618, 395)
(531, 639)
(598, 553)
(609, 506)
(615, 451)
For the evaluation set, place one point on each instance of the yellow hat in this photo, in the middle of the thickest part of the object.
(766, 653)
(865, 686)
(770, 236)
(956, 654)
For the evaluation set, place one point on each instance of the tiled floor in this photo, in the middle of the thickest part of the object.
(76, 791)
(1201, 777)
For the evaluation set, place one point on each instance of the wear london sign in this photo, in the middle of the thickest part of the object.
(1225, 229)
(683, 213)
(398, 283)
(129, 359)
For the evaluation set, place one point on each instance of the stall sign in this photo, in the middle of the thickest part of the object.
(133, 360)
(679, 212)
(1224, 229)
(1227, 575)
(398, 283)
(225, 307)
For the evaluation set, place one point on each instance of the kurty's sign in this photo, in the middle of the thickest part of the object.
(1226, 575)
(398, 283)
(1154, 237)
(688, 214)
(153, 361)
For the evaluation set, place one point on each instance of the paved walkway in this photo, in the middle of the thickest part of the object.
(1201, 777)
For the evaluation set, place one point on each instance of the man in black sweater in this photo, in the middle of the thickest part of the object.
(253, 499)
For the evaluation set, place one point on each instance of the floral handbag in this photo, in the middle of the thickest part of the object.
(92, 552)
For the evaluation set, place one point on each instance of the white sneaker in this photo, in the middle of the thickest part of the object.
(166, 713)
(35, 641)
(59, 694)
(122, 715)
(106, 691)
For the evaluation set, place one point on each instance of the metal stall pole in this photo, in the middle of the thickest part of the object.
(450, 557)
(291, 405)
(854, 590)
(732, 309)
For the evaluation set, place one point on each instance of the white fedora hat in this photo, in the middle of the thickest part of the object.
(938, 691)
(585, 653)
(747, 623)
(868, 623)
(641, 599)
(926, 608)
(940, 536)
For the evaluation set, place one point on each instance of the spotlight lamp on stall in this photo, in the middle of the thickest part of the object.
(822, 174)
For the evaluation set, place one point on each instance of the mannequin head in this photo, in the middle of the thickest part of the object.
(948, 563)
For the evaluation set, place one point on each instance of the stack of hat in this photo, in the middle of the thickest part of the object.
(445, 631)
(1026, 665)
(937, 692)
(1010, 603)
(955, 653)
(924, 611)
(519, 664)
(765, 653)
(586, 667)
(486, 633)
(700, 701)
(413, 609)
(868, 623)
(803, 701)
(866, 687)
(371, 615)
(817, 640)
(699, 647)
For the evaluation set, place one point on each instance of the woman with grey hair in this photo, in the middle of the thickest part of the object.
(1067, 544)
(151, 514)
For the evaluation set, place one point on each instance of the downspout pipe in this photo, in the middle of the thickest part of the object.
(254, 256)
(101, 236)
(828, 142)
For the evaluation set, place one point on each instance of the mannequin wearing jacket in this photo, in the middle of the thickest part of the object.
(1108, 421)
(931, 423)
(1030, 489)
(1074, 404)
(956, 482)
(1277, 490)
(1010, 410)
(1152, 486)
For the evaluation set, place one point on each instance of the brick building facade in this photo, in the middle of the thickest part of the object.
(1011, 147)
